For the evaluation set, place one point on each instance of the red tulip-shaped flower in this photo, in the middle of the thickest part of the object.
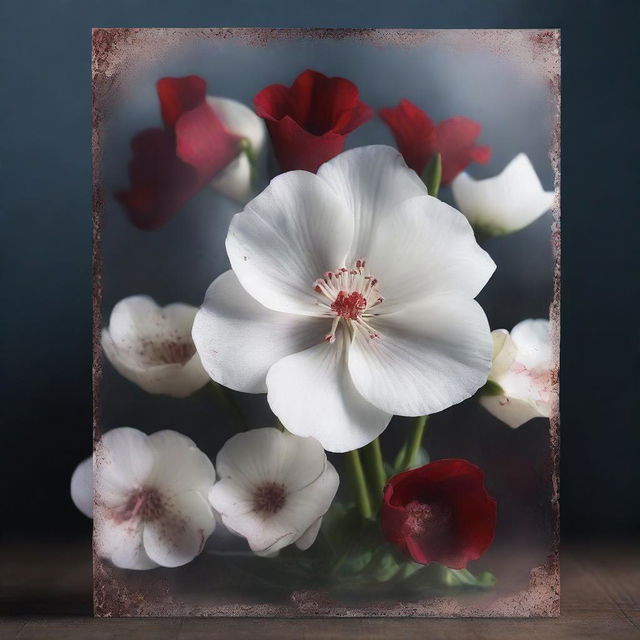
(419, 139)
(440, 512)
(199, 144)
(309, 121)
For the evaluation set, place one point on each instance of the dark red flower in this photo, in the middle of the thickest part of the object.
(309, 121)
(172, 164)
(440, 512)
(419, 140)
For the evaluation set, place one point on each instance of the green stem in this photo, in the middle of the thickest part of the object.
(356, 472)
(224, 397)
(432, 175)
(415, 441)
(372, 454)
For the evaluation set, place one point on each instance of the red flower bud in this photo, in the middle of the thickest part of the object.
(309, 121)
(419, 140)
(171, 165)
(440, 512)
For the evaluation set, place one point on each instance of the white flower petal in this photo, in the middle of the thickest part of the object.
(124, 461)
(372, 181)
(309, 536)
(251, 461)
(426, 247)
(303, 506)
(132, 318)
(300, 513)
(179, 465)
(504, 353)
(522, 369)
(286, 238)
(82, 487)
(269, 455)
(507, 202)
(121, 542)
(179, 536)
(512, 411)
(240, 120)
(265, 536)
(426, 357)
(238, 339)
(531, 340)
(151, 346)
(234, 181)
(312, 394)
(232, 495)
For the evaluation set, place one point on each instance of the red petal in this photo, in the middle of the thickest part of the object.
(414, 132)
(160, 182)
(171, 165)
(455, 487)
(178, 95)
(203, 142)
(456, 139)
(308, 122)
(296, 148)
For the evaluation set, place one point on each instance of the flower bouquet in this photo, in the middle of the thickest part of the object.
(349, 298)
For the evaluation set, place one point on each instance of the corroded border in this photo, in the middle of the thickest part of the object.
(116, 53)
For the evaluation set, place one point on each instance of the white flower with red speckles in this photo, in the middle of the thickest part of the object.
(273, 488)
(151, 507)
(152, 346)
(521, 370)
(351, 298)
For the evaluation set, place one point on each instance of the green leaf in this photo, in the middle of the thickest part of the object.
(432, 175)
(464, 578)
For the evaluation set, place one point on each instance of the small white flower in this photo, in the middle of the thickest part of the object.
(151, 506)
(82, 487)
(273, 488)
(522, 369)
(350, 299)
(234, 181)
(152, 346)
(505, 203)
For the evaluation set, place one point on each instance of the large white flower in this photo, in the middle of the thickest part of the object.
(521, 370)
(151, 504)
(152, 346)
(273, 488)
(235, 180)
(505, 203)
(350, 299)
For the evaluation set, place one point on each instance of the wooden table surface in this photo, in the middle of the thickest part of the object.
(45, 593)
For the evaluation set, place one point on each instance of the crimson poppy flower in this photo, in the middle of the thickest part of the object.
(309, 121)
(419, 139)
(440, 512)
(200, 144)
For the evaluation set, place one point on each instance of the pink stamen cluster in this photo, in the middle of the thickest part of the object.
(351, 293)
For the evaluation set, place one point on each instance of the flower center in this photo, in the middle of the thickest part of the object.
(166, 352)
(147, 504)
(269, 498)
(348, 294)
(424, 519)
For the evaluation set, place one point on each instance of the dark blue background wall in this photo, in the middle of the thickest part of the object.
(45, 204)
